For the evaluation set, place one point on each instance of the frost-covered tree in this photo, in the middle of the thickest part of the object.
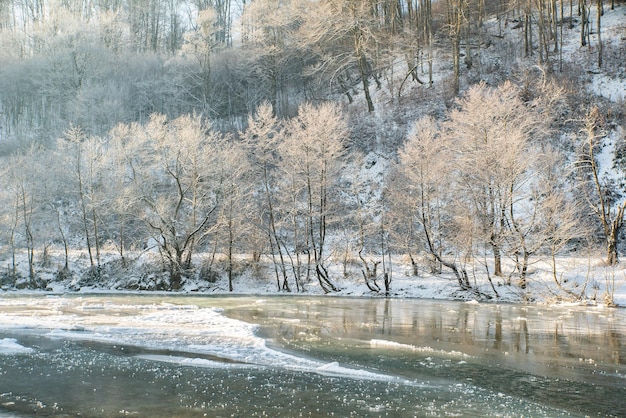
(27, 223)
(542, 217)
(344, 37)
(312, 154)
(201, 44)
(275, 57)
(83, 158)
(263, 138)
(233, 224)
(491, 133)
(175, 180)
(23, 205)
(423, 197)
(367, 217)
(602, 197)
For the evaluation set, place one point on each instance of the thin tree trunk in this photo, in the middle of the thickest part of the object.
(583, 22)
(83, 207)
(274, 234)
(497, 259)
(63, 239)
(365, 81)
(96, 238)
(231, 240)
(599, 24)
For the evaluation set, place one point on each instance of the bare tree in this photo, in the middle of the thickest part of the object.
(202, 44)
(23, 207)
(275, 59)
(263, 137)
(222, 10)
(233, 223)
(599, 14)
(343, 36)
(599, 193)
(456, 22)
(365, 214)
(30, 186)
(312, 153)
(491, 132)
(174, 175)
(83, 155)
(541, 215)
(423, 191)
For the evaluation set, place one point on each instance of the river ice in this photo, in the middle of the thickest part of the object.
(160, 327)
(10, 346)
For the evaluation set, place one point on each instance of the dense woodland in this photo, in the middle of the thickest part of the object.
(304, 134)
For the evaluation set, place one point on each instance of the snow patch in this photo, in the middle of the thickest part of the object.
(392, 345)
(9, 346)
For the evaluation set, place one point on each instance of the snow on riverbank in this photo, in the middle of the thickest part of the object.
(579, 280)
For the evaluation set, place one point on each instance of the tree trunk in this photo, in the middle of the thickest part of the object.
(616, 226)
(366, 84)
(273, 235)
(176, 273)
(611, 227)
(497, 259)
(528, 30)
(583, 23)
(599, 24)
(95, 234)
(455, 17)
(231, 240)
(66, 265)
(84, 213)
(460, 274)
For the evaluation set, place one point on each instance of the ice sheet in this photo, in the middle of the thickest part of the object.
(408, 347)
(196, 332)
(10, 346)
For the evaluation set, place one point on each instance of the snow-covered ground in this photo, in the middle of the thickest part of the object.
(580, 279)
(609, 81)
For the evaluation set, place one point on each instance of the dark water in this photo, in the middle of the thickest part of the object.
(178, 356)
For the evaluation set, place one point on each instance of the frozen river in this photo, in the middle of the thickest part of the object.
(188, 356)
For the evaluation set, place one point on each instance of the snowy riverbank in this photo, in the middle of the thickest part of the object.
(579, 280)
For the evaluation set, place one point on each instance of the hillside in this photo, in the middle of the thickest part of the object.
(343, 151)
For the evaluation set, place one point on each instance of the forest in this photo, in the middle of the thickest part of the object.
(307, 134)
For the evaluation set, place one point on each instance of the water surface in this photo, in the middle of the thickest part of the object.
(165, 355)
